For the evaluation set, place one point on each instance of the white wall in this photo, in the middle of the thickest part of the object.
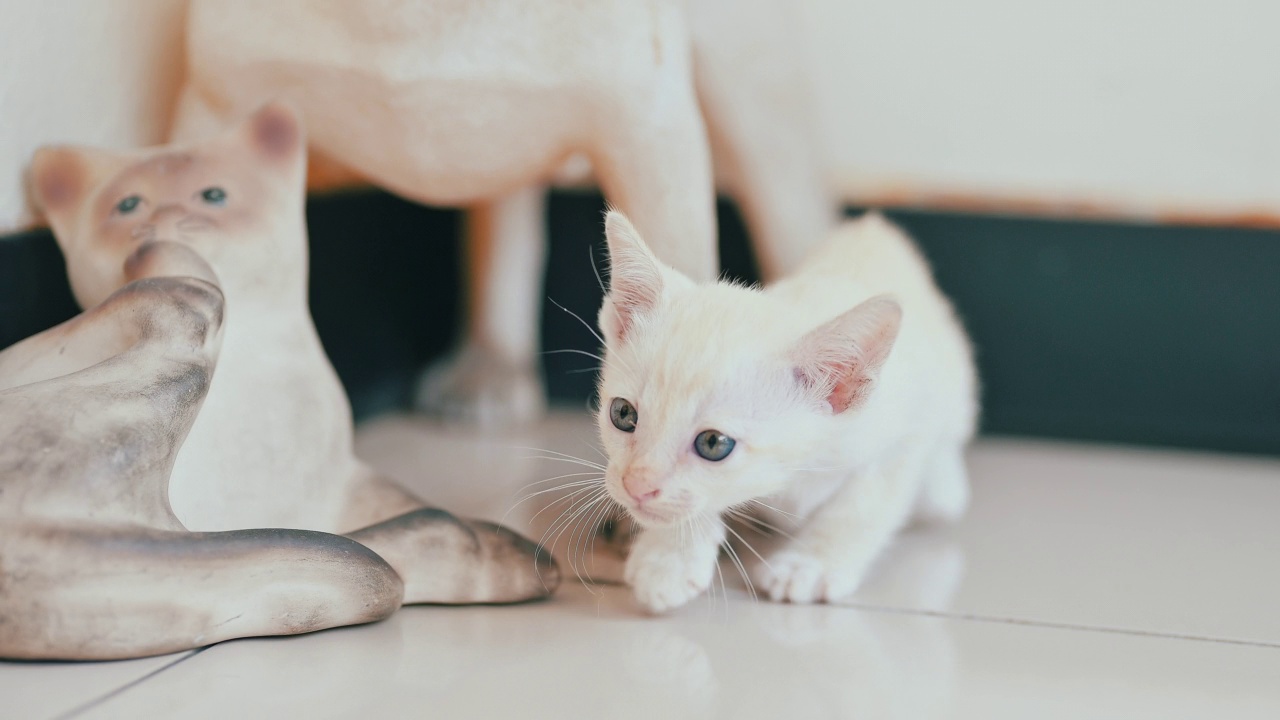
(1164, 110)
(1133, 107)
(97, 72)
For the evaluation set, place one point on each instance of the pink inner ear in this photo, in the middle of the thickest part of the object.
(851, 388)
(275, 132)
(59, 180)
(843, 357)
(845, 386)
(626, 306)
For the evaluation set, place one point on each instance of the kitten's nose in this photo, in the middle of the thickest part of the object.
(641, 486)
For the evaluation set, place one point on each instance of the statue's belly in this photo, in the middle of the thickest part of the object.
(270, 447)
(445, 104)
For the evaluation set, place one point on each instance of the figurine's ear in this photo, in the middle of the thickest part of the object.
(63, 177)
(274, 132)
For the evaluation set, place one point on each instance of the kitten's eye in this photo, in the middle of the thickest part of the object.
(713, 445)
(129, 204)
(214, 195)
(623, 414)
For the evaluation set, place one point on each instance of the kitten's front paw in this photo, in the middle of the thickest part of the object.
(663, 579)
(801, 577)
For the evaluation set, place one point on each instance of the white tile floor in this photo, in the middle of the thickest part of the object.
(1087, 582)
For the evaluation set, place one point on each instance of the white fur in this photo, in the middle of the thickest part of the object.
(760, 366)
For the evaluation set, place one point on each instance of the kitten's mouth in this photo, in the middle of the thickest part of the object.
(649, 518)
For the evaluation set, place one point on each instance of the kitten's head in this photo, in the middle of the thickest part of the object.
(229, 198)
(711, 395)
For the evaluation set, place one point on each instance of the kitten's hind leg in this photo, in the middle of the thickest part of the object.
(492, 378)
(944, 493)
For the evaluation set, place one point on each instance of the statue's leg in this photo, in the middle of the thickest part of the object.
(84, 592)
(759, 112)
(493, 379)
(196, 117)
(654, 164)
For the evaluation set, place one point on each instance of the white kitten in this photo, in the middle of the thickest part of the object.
(842, 397)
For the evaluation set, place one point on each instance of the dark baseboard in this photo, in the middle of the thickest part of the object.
(1101, 331)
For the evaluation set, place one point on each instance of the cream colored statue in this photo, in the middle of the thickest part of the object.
(479, 103)
(149, 441)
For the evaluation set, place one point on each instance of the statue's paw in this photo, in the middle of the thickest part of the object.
(515, 569)
(446, 560)
(184, 314)
(477, 388)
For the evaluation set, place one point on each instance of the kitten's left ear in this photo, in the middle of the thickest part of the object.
(274, 132)
(636, 277)
(841, 360)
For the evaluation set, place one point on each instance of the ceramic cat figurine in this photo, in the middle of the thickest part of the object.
(837, 402)
(136, 481)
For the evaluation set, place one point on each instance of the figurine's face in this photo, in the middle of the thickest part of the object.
(224, 198)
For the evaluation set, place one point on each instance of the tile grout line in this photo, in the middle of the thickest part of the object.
(971, 617)
(89, 705)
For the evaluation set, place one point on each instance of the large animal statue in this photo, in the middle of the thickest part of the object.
(479, 103)
(177, 462)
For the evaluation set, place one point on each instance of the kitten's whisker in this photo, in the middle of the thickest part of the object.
(555, 454)
(604, 361)
(758, 523)
(558, 477)
(742, 569)
(579, 496)
(724, 588)
(557, 501)
(747, 545)
(766, 506)
(573, 461)
(577, 317)
(549, 451)
(591, 253)
(565, 486)
(574, 351)
(582, 505)
(588, 533)
(594, 448)
(566, 516)
(542, 539)
(594, 524)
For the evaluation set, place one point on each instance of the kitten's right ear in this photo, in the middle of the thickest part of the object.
(839, 362)
(62, 177)
(635, 277)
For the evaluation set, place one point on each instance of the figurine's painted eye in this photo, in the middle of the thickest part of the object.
(713, 445)
(623, 414)
(129, 204)
(214, 195)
